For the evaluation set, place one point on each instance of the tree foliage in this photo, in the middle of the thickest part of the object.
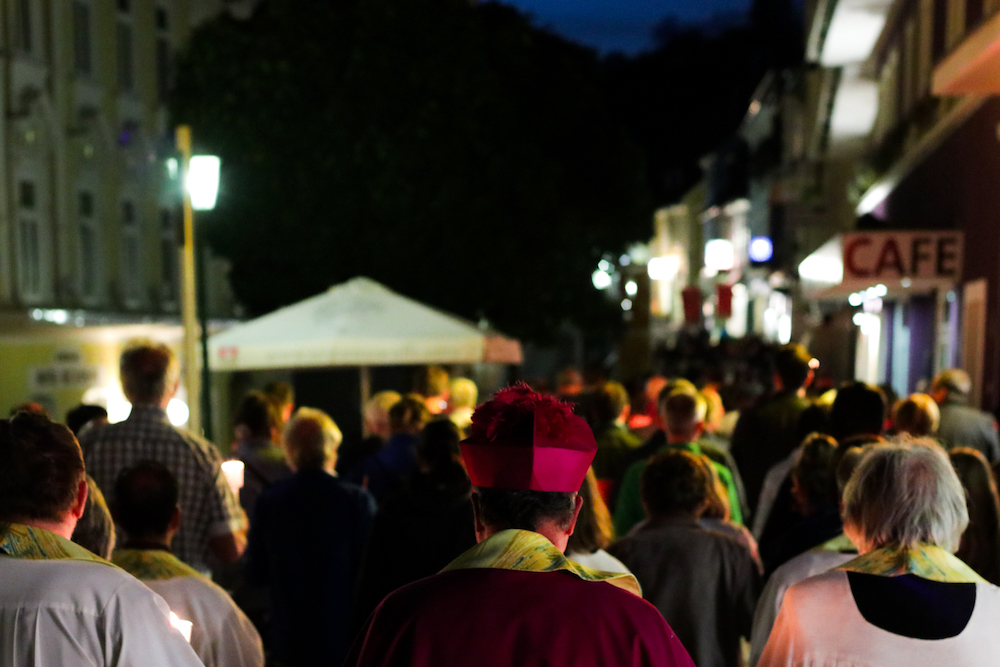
(447, 149)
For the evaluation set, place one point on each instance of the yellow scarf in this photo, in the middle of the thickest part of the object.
(526, 551)
(27, 542)
(840, 544)
(152, 564)
(925, 560)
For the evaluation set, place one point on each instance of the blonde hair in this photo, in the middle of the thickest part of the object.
(917, 415)
(463, 393)
(311, 439)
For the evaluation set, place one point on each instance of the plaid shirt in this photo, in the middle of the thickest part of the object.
(208, 507)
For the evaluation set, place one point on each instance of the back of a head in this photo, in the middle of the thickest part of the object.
(148, 371)
(523, 492)
(281, 394)
(82, 415)
(954, 382)
(311, 439)
(674, 482)
(814, 471)
(791, 364)
(435, 381)
(974, 473)
(408, 414)
(609, 403)
(462, 393)
(95, 530)
(903, 493)
(377, 410)
(917, 415)
(846, 461)
(41, 467)
(438, 449)
(674, 384)
(258, 413)
(683, 412)
(146, 496)
(859, 409)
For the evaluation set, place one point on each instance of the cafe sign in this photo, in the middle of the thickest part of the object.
(879, 256)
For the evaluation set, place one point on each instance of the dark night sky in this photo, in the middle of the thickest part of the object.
(621, 25)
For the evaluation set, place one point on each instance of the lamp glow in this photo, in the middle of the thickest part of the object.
(761, 249)
(178, 412)
(663, 268)
(601, 279)
(719, 255)
(631, 288)
(203, 181)
(233, 470)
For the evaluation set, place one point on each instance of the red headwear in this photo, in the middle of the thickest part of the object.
(522, 440)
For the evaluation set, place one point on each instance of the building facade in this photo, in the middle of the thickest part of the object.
(89, 205)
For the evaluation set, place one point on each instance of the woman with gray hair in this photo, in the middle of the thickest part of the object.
(906, 600)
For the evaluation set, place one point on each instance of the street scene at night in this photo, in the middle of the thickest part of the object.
(482, 333)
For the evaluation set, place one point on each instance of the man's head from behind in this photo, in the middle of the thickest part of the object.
(610, 403)
(791, 367)
(146, 502)
(408, 415)
(311, 440)
(683, 414)
(527, 456)
(42, 479)
(675, 483)
(953, 385)
(376, 413)
(259, 415)
(149, 373)
(859, 409)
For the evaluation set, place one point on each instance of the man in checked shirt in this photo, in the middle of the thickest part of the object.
(211, 519)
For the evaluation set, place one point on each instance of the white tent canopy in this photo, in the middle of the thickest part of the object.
(357, 323)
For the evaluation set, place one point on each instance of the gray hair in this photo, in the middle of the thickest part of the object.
(311, 439)
(903, 493)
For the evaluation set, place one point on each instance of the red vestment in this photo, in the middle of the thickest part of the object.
(502, 618)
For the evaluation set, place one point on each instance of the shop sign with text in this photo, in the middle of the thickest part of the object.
(876, 256)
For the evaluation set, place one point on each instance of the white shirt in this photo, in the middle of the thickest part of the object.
(820, 626)
(600, 560)
(797, 569)
(62, 613)
(221, 634)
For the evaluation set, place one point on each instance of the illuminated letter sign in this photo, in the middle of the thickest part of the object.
(878, 256)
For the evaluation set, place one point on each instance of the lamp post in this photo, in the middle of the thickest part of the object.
(200, 188)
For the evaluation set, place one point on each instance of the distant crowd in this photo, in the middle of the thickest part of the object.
(731, 514)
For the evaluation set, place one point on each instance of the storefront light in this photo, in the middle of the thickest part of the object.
(663, 268)
(761, 249)
(601, 279)
(625, 260)
(178, 412)
(631, 288)
(604, 265)
(719, 255)
(856, 299)
(626, 304)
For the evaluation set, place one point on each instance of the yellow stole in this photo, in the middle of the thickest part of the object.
(27, 542)
(152, 564)
(924, 560)
(527, 551)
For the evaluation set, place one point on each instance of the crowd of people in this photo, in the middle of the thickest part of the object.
(679, 523)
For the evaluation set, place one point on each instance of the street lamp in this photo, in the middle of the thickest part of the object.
(201, 188)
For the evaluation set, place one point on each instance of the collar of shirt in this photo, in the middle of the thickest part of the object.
(840, 544)
(527, 551)
(692, 447)
(925, 560)
(148, 413)
(152, 564)
(29, 543)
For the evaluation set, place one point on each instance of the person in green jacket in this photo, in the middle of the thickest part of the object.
(683, 415)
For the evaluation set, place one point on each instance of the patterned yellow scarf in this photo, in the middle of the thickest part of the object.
(525, 551)
(925, 560)
(840, 544)
(30, 543)
(152, 564)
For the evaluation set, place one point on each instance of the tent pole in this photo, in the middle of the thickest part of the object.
(366, 390)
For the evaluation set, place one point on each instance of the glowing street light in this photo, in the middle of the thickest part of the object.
(202, 181)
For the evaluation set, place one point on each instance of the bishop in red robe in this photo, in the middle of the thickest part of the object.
(515, 599)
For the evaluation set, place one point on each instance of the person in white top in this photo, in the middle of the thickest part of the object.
(594, 531)
(146, 507)
(60, 604)
(906, 601)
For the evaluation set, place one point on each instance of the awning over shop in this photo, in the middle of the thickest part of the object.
(357, 323)
(973, 67)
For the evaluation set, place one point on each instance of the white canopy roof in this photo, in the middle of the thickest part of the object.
(357, 323)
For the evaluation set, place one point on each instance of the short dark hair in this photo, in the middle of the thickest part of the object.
(41, 467)
(82, 415)
(439, 446)
(814, 471)
(95, 530)
(406, 412)
(147, 370)
(609, 401)
(791, 363)
(674, 481)
(859, 409)
(524, 510)
(280, 394)
(259, 413)
(683, 411)
(145, 499)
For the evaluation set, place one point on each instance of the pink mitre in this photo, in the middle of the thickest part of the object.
(522, 440)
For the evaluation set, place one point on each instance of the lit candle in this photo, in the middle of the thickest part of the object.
(184, 627)
(233, 470)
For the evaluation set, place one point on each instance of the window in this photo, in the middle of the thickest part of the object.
(131, 259)
(169, 248)
(29, 241)
(81, 38)
(88, 245)
(126, 64)
(23, 34)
